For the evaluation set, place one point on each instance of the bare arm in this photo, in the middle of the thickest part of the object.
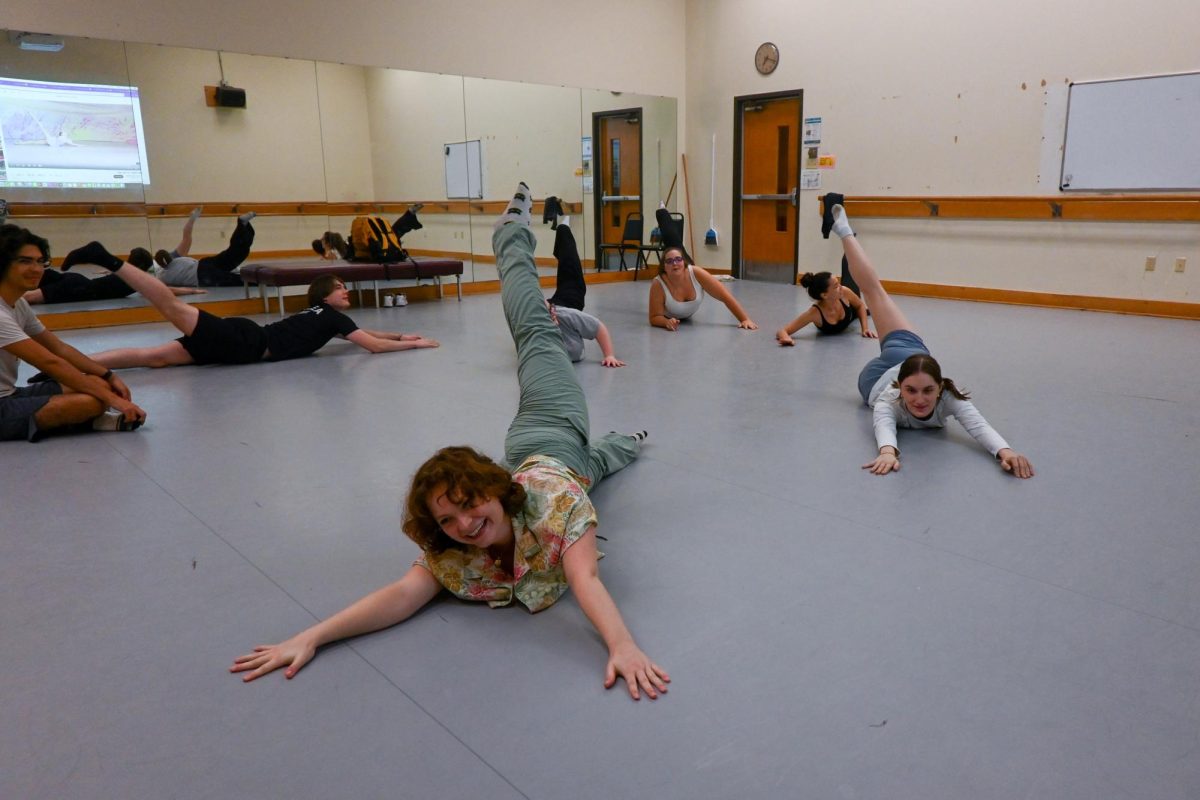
(714, 287)
(181, 290)
(395, 336)
(606, 348)
(860, 308)
(370, 342)
(624, 656)
(77, 372)
(658, 308)
(382, 608)
(784, 334)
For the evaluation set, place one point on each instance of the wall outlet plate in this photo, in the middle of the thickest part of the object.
(1180, 264)
(1150, 262)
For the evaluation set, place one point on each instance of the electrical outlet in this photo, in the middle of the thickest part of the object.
(1180, 264)
(1150, 263)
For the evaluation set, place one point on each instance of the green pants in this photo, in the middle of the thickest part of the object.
(552, 417)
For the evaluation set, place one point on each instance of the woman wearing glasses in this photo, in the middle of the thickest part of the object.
(677, 292)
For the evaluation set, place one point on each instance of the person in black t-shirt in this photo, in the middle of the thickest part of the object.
(235, 340)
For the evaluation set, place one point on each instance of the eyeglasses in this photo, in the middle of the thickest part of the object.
(28, 261)
(673, 260)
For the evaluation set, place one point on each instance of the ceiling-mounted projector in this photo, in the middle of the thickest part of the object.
(40, 42)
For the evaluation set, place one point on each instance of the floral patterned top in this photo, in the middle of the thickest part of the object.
(557, 513)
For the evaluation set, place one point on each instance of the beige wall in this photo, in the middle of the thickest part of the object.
(538, 41)
(926, 98)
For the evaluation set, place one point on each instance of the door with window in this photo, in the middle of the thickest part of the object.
(766, 186)
(617, 145)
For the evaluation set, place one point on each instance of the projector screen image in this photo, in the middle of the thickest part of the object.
(70, 135)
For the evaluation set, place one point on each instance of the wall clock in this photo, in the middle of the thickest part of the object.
(766, 58)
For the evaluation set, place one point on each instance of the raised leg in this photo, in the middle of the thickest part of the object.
(232, 256)
(552, 417)
(177, 312)
(570, 288)
(887, 315)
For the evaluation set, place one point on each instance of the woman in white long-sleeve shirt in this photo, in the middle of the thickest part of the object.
(904, 386)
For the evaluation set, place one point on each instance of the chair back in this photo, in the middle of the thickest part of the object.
(632, 231)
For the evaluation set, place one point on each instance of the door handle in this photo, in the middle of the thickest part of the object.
(795, 196)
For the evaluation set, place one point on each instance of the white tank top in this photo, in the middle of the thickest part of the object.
(681, 309)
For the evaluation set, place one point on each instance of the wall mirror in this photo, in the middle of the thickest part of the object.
(317, 144)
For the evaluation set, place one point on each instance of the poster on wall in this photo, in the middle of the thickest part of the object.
(810, 179)
(586, 172)
(812, 130)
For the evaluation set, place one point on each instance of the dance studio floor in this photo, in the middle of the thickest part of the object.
(944, 632)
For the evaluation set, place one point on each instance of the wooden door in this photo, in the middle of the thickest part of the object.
(770, 178)
(618, 155)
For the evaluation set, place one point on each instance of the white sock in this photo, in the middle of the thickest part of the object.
(841, 223)
(113, 421)
(565, 220)
(520, 208)
(195, 215)
(249, 215)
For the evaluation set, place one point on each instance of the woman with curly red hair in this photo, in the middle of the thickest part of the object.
(492, 533)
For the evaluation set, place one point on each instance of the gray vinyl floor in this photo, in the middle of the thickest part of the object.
(944, 632)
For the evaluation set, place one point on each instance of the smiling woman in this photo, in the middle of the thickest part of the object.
(494, 535)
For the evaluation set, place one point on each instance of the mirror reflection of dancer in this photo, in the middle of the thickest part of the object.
(494, 536)
(179, 269)
(235, 340)
(904, 386)
(333, 246)
(71, 287)
(836, 307)
(78, 390)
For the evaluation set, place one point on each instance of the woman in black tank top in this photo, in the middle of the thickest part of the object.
(835, 309)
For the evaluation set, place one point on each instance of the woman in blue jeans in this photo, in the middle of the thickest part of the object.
(904, 386)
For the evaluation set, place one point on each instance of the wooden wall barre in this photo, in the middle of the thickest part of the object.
(1087, 208)
(287, 209)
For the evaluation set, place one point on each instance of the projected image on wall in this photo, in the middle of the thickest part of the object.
(70, 135)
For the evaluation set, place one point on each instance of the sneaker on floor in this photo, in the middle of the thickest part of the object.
(114, 421)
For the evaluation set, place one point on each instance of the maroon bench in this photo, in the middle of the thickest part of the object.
(302, 273)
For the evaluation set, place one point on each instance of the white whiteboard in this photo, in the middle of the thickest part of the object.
(1136, 133)
(464, 170)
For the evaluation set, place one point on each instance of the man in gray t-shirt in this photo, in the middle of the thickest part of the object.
(575, 326)
(78, 390)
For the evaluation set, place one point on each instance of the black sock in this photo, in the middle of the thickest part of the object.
(93, 253)
(831, 199)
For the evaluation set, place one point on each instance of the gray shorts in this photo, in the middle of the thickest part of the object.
(893, 349)
(17, 410)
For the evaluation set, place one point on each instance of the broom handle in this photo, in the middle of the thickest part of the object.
(671, 191)
(687, 194)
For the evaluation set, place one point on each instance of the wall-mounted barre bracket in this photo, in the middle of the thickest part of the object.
(1056, 210)
(933, 208)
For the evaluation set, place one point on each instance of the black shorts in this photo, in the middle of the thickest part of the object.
(17, 410)
(233, 340)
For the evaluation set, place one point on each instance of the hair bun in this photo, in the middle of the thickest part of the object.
(806, 279)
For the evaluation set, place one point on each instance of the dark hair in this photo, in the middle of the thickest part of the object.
(321, 288)
(924, 364)
(318, 247)
(140, 257)
(162, 258)
(662, 266)
(467, 476)
(12, 239)
(817, 283)
(334, 239)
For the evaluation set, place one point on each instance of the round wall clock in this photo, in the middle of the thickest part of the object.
(766, 58)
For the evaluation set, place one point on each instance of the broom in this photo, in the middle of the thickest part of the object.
(710, 236)
(687, 196)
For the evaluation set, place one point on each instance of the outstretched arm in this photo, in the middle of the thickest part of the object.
(784, 334)
(624, 656)
(717, 290)
(181, 290)
(382, 608)
(860, 309)
(385, 342)
(606, 348)
(185, 241)
(969, 417)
